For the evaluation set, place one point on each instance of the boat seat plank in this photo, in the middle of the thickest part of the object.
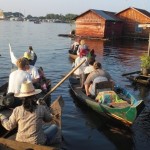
(103, 85)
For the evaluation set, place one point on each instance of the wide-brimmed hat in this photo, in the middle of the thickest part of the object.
(27, 89)
(27, 55)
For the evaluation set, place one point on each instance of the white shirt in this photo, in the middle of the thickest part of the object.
(97, 80)
(16, 78)
(78, 60)
(88, 69)
(33, 71)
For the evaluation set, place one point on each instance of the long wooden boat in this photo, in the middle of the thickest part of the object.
(141, 79)
(7, 138)
(138, 77)
(125, 111)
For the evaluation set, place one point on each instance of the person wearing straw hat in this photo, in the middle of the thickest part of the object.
(29, 118)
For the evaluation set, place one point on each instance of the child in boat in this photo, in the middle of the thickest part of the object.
(29, 118)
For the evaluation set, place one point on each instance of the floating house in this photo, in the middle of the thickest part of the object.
(132, 17)
(2, 15)
(98, 24)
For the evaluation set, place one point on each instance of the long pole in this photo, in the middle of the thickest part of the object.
(60, 82)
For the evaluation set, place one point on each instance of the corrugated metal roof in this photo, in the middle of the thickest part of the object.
(106, 15)
(145, 12)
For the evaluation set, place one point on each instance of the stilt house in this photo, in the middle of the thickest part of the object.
(98, 24)
(132, 17)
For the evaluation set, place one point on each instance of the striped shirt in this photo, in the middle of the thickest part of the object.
(29, 124)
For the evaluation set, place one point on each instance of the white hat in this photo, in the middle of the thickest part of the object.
(27, 89)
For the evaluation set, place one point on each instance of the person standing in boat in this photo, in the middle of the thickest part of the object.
(29, 118)
(82, 46)
(98, 75)
(78, 60)
(33, 56)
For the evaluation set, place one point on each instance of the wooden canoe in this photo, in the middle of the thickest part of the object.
(141, 79)
(137, 77)
(7, 138)
(125, 112)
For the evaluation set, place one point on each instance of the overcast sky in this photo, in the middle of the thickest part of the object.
(44, 7)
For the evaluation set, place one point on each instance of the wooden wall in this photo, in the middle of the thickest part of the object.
(90, 25)
(131, 19)
(113, 29)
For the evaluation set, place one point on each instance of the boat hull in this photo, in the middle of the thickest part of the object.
(126, 114)
(73, 56)
(8, 137)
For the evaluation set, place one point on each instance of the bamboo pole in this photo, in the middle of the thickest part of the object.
(60, 82)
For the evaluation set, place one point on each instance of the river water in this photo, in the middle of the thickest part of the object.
(81, 128)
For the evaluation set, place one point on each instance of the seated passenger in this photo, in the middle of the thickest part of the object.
(16, 78)
(98, 72)
(33, 71)
(78, 60)
(88, 69)
(74, 47)
(29, 118)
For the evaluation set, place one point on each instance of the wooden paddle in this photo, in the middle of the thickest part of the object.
(62, 80)
(135, 72)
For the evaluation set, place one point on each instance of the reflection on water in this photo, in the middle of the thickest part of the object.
(81, 129)
(141, 129)
(116, 132)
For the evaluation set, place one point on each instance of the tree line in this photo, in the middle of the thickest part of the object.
(67, 17)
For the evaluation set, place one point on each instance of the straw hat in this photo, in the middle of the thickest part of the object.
(27, 55)
(27, 89)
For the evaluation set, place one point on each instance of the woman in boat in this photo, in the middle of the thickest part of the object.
(29, 118)
(82, 46)
(98, 75)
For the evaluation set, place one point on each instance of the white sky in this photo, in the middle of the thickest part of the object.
(44, 7)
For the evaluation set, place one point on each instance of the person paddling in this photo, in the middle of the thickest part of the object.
(29, 118)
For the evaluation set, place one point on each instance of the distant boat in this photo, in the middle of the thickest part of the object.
(37, 22)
